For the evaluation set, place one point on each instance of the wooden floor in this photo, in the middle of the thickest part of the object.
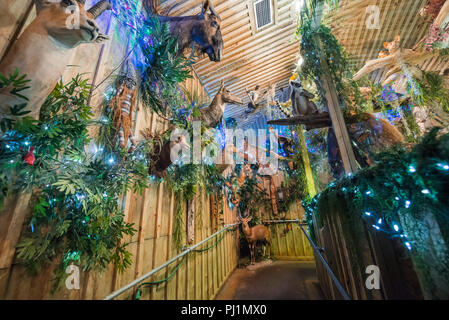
(278, 280)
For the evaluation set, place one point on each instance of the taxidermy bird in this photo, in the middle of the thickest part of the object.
(300, 97)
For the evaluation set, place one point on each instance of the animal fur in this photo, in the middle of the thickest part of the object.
(212, 115)
(201, 32)
(123, 105)
(45, 47)
(300, 98)
(258, 233)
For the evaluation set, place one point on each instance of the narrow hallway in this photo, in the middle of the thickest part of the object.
(277, 280)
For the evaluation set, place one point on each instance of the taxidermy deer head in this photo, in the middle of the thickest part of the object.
(44, 48)
(201, 31)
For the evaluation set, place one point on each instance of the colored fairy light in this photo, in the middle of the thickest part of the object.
(407, 204)
(397, 198)
(368, 192)
(376, 227)
(396, 227)
(425, 191)
(379, 221)
(8, 146)
(104, 120)
(443, 166)
(412, 169)
(111, 160)
(408, 245)
(368, 213)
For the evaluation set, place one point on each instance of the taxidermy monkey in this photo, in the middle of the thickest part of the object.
(123, 104)
(301, 104)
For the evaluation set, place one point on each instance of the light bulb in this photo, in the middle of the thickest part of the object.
(299, 4)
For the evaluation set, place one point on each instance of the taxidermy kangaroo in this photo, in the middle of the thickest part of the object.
(211, 116)
(45, 47)
(301, 104)
(201, 32)
(254, 234)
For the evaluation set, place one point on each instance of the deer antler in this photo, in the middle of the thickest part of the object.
(99, 8)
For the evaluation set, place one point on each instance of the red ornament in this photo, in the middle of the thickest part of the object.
(29, 157)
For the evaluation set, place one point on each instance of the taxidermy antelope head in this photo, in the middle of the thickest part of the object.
(212, 115)
(201, 31)
(254, 234)
(44, 48)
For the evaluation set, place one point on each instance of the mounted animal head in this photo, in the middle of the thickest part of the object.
(227, 95)
(46, 46)
(69, 23)
(207, 34)
(201, 31)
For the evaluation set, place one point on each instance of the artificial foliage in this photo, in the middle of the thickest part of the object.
(406, 196)
(433, 90)
(76, 185)
(186, 181)
(294, 185)
(251, 198)
(317, 45)
(164, 67)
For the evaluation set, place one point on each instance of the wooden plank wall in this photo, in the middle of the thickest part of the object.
(288, 242)
(202, 274)
(398, 279)
(199, 277)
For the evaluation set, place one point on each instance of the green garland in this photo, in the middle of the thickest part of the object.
(397, 197)
(433, 90)
(165, 68)
(75, 192)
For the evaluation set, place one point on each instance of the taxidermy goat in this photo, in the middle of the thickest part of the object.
(200, 32)
(212, 115)
(301, 104)
(160, 157)
(45, 47)
(123, 105)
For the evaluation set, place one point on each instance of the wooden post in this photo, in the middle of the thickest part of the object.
(273, 196)
(190, 221)
(311, 189)
(338, 122)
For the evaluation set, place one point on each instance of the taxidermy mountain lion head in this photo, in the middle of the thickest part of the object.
(46, 46)
(69, 23)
